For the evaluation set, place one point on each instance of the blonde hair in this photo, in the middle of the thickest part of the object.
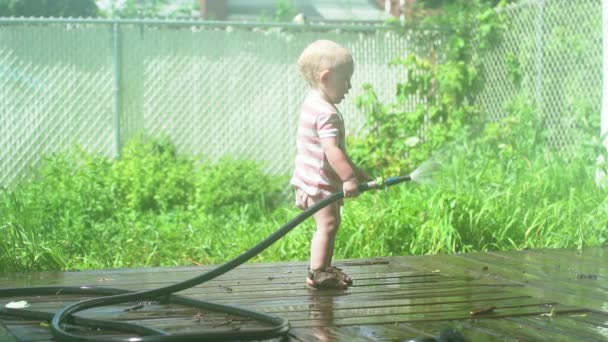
(321, 55)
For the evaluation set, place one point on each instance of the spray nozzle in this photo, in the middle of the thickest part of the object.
(381, 182)
(396, 180)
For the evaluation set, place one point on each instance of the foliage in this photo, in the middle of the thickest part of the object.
(152, 176)
(148, 9)
(422, 4)
(246, 186)
(284, 11)
(443, 86)
(48, 8)
(498, 186)
(85, 210)
(490, 193)
(477, 207)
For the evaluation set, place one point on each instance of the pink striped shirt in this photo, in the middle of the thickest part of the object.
(318, 119)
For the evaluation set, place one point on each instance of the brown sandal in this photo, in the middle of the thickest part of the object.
(341, 275)
(322, 280)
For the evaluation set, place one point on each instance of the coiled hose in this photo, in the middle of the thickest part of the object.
(277, 326)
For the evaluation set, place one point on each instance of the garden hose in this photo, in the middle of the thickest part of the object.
(66, 316)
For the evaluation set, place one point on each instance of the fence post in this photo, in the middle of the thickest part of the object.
(600, 173)
(539, 54)
(117, 86)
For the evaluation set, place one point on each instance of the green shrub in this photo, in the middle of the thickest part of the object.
(151, 176)
(229, 184)
(145, 208)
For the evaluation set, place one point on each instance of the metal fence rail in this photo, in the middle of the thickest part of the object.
(217, 88)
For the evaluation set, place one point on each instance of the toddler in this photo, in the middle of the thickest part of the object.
(322, 166)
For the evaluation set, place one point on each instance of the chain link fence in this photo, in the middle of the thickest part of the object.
(219, 89)
(551, 53)
(214, 89)
(55, 91)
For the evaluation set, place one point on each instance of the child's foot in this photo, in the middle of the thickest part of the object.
(323, 280)
(341, 275)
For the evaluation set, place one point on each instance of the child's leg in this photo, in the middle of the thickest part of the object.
(345, 278)
(328, 221)
(322, 246)
(332, 242)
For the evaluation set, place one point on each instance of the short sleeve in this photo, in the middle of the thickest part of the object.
(328, 125)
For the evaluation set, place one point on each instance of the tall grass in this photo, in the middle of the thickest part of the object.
(153, 207)
(21, 248)
(149, 207)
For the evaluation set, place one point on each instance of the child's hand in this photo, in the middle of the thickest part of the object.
(350, 188)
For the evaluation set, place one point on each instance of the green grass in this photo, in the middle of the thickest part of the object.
(153, 207)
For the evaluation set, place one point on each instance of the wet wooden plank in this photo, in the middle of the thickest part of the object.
(320, 313)
(465, 328)
(394, 298)
(392, 332)
(297, 291)
(563, 325)
(5, 334)
(324, 307)
(296, 274)
(557, 266)
(521, 328)
(535, 280)
(397, 297)
(597, 320)
(589, 293)
(506, 330)
(23, 330)
(326, 334)
(374, 291)
(364, 265)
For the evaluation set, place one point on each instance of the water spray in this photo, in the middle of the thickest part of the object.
(166, 295)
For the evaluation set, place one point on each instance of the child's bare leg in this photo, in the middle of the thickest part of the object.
(332, 244)
(344, 277)
(327, 221)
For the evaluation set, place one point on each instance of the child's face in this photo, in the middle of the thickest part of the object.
(337, 83)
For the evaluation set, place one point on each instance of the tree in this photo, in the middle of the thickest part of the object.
(48, 8)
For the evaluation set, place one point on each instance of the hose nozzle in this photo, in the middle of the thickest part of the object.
(381, 182)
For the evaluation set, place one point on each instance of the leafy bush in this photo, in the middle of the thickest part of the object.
(151, 176)
(229, 184)
(81, 210)
(500, 186)
(442, 85)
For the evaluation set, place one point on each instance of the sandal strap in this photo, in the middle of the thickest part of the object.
(333, 270)
(341, 275)
(326, 280)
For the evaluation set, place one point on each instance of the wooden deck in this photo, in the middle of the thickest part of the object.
(538, 295)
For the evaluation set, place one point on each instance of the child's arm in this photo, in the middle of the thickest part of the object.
(342, 165)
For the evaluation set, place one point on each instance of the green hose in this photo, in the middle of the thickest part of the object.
(278, 326)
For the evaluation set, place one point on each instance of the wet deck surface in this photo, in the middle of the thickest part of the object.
(537, 295)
